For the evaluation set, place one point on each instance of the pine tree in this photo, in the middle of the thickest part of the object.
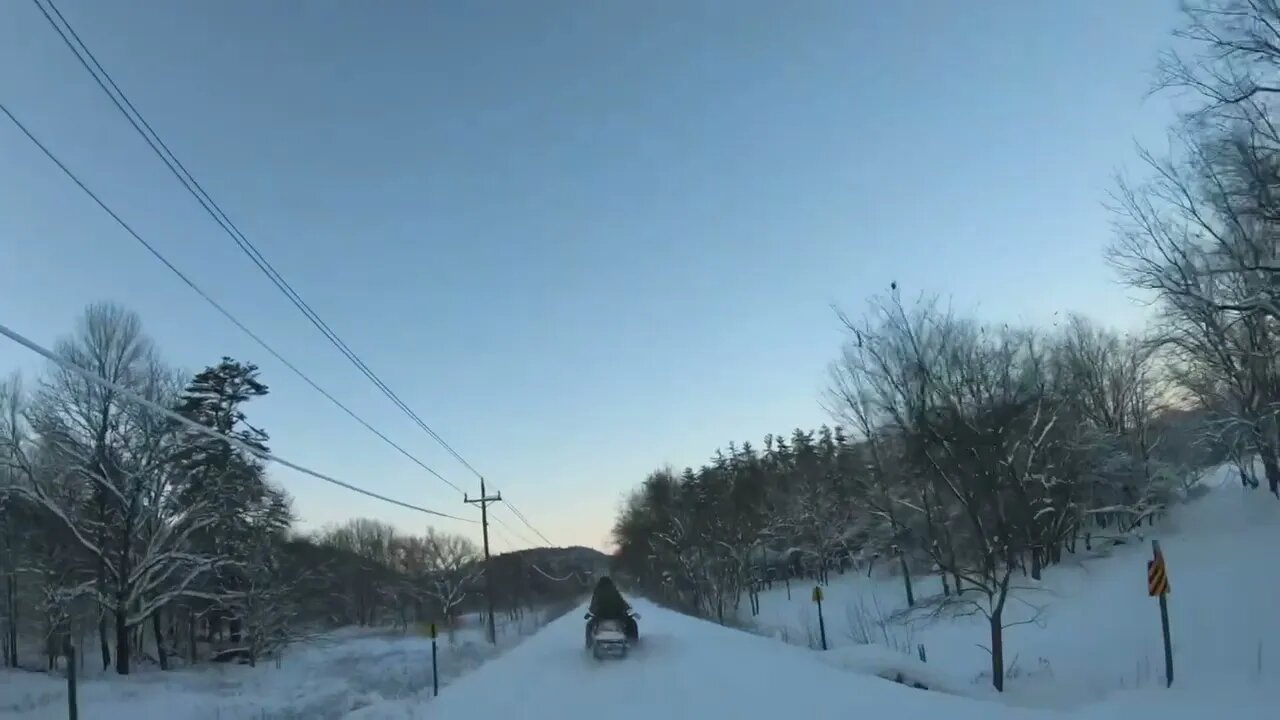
(250, 514)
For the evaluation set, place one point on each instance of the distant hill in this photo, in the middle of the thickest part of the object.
(583, 562)
(577, 556)
(542, 575)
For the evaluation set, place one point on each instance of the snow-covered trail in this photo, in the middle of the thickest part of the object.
(683, 668)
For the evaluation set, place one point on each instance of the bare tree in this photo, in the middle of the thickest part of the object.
(1233, 65)
(1201, 237)
(366, 580)
(114, 499)
(880, 490)
(977, 418)
(453, 567)
(12, 436)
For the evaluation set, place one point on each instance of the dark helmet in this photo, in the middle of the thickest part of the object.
(605, 582)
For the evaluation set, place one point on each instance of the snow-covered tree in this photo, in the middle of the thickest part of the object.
(453, 566)
(107, 480)
(249, 514)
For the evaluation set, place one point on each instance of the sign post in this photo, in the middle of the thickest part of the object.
(1158, 587)
(69, 649)
(822, 624)
(435, 674)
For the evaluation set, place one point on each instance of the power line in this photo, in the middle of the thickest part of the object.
(204, 430)
(257, 339)
(573, 575)
(513, 531)
(216, 305)
(506, 542)
(516, 511)
(193, 186)
(126, 107)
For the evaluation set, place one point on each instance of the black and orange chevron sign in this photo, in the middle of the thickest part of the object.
(1157, 576)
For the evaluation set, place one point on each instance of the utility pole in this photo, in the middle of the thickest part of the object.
(483, 501)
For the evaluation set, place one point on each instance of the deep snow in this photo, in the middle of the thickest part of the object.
(1096, 632)
(330, 677)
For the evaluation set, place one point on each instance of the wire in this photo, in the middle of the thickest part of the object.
(500, 538)
(513, 531)
(246, 330)
(204, 430)
(571, 576)
(519, 515)
(219, 216)
(193, 186)
(216, 305)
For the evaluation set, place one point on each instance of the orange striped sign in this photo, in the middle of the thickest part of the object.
(1157, 577)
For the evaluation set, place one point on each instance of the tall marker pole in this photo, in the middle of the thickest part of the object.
(1158, 587)
(483, 501)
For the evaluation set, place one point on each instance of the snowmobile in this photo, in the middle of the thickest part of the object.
(608, 637)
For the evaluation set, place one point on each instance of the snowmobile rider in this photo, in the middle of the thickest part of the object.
(608, 604)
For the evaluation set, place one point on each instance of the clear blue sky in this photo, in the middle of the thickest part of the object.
(581, 239)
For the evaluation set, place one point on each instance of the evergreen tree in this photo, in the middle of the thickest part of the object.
(249, 514)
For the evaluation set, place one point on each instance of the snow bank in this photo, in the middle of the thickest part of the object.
(1090, 629)
(898, 667)
(1243, 702)
(331, 677)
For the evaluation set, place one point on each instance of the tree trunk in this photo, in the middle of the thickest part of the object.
(1037, 561)
(122, 639)
(1270, 464)
(156, 627)
(997, 650)
(11, 592)
(137, 640)
(10, 643)
(951, 558)
(191, 634)
(102, 640)
(1246, 474)
(906, 579)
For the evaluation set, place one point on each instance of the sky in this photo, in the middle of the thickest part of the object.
(582, 240)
